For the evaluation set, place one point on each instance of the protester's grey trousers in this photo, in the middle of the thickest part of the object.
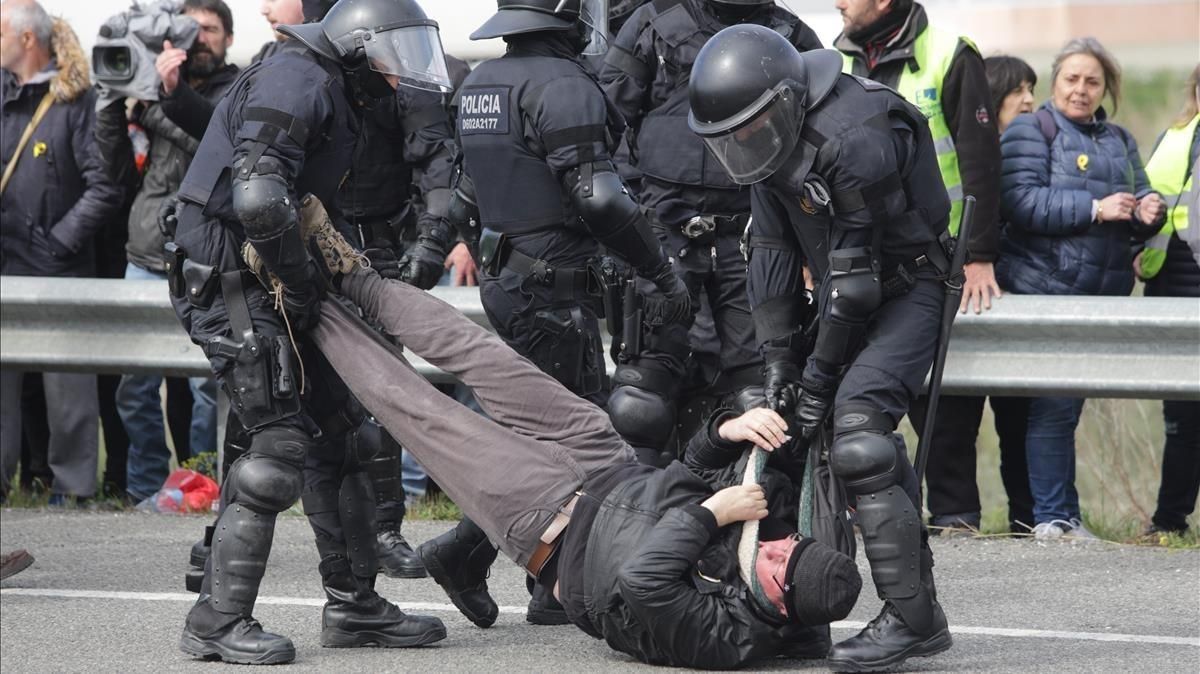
(509, 473)
(73, 408)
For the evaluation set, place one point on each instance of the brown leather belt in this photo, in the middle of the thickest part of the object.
(551, 536)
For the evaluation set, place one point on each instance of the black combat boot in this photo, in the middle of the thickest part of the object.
(906, 628)
(543, 609)
(233, 638)
(459, 561)
(397, 559)
(355, 615)
(193, 578)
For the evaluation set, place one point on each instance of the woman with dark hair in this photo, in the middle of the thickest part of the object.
(1010, 81)
(1170, 269)
(1074, 195)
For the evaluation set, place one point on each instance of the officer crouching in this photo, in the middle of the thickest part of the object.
(845, 179)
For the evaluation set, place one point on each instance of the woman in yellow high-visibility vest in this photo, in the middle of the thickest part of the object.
(1169, 266)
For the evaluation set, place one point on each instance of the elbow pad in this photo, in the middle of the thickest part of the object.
(263, 204)
(268, 215)
(612, 216)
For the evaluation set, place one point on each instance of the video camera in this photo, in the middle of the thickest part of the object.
(129, 42)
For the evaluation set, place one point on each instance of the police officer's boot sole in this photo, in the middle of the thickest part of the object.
(403, 572)
(544, 609)
(939, 642)
(198, 647)
(428, 555)
(332, 637)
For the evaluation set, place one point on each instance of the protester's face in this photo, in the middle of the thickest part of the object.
(858, 14)
(1016, 102)
(282, 13)
(771, 568)
(1079, 87)
(208, 52)
(13, 45)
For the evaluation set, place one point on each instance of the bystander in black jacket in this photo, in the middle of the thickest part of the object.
(174, 125)
(59, 195)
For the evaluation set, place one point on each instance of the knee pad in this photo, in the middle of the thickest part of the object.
(643, 418)
(269, 476)
(867, 461)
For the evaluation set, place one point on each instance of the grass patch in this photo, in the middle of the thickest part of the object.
(433, 507)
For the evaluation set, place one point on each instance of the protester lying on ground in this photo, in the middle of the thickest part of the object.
(638, 556)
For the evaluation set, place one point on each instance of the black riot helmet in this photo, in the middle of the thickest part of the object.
(749, 91)
(392, 38)
(514, 17)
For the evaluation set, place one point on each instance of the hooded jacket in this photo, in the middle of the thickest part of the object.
(1051, 245)
(59, 195)
(175, 126)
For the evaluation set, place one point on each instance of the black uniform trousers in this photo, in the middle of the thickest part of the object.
(562, 338)
(713, 267)
(325, 402)
(1181, 465)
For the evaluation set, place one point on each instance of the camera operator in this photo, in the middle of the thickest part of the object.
(191, 82)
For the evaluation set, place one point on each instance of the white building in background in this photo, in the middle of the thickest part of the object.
(1144, 34)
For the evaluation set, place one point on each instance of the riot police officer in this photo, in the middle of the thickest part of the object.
(287, 128)
(845, 179)
(536, 134)
(698, 212)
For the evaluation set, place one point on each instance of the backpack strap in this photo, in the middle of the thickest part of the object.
(1046, 124)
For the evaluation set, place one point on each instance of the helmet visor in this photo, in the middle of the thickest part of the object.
(753, 151)
(593, 14)
(411, 53)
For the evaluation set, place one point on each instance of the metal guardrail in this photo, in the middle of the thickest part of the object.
(1113, 347)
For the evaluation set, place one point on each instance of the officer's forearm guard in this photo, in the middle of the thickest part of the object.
(612, 216)
(854, 294)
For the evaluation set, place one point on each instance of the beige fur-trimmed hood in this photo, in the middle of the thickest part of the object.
(72, 79)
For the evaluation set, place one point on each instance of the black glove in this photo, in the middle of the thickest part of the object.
(813, 406)
(674, 305)
(781, 385)
(425, 261)
(302, 305)
(383, 260)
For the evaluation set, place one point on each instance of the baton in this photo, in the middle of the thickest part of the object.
(954, 289)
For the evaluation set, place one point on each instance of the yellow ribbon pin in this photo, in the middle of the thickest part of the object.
(1082, 162)
(39, 149)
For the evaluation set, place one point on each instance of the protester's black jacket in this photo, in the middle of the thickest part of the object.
(1180, 275)
(967, 104)
(661, 579)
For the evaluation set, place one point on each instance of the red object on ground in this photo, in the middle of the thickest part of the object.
(187, 491)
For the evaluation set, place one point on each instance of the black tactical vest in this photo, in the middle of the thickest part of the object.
(665, 148)
(329, 147)
(857, 102)
(517, 191)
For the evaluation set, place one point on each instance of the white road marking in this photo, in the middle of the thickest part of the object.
(520, 610)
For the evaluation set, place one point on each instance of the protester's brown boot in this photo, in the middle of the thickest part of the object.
(339, 258)
(12, 563)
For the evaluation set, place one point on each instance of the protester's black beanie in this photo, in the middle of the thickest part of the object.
(823, 583)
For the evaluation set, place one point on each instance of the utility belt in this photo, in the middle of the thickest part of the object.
(706, 226)
(551, 537)
(496, 253)
(936, 258)
(260, 380)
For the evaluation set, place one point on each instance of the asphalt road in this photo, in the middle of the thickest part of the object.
(106, 594)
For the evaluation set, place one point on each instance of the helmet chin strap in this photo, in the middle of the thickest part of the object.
(367, 87)
(578, 36)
